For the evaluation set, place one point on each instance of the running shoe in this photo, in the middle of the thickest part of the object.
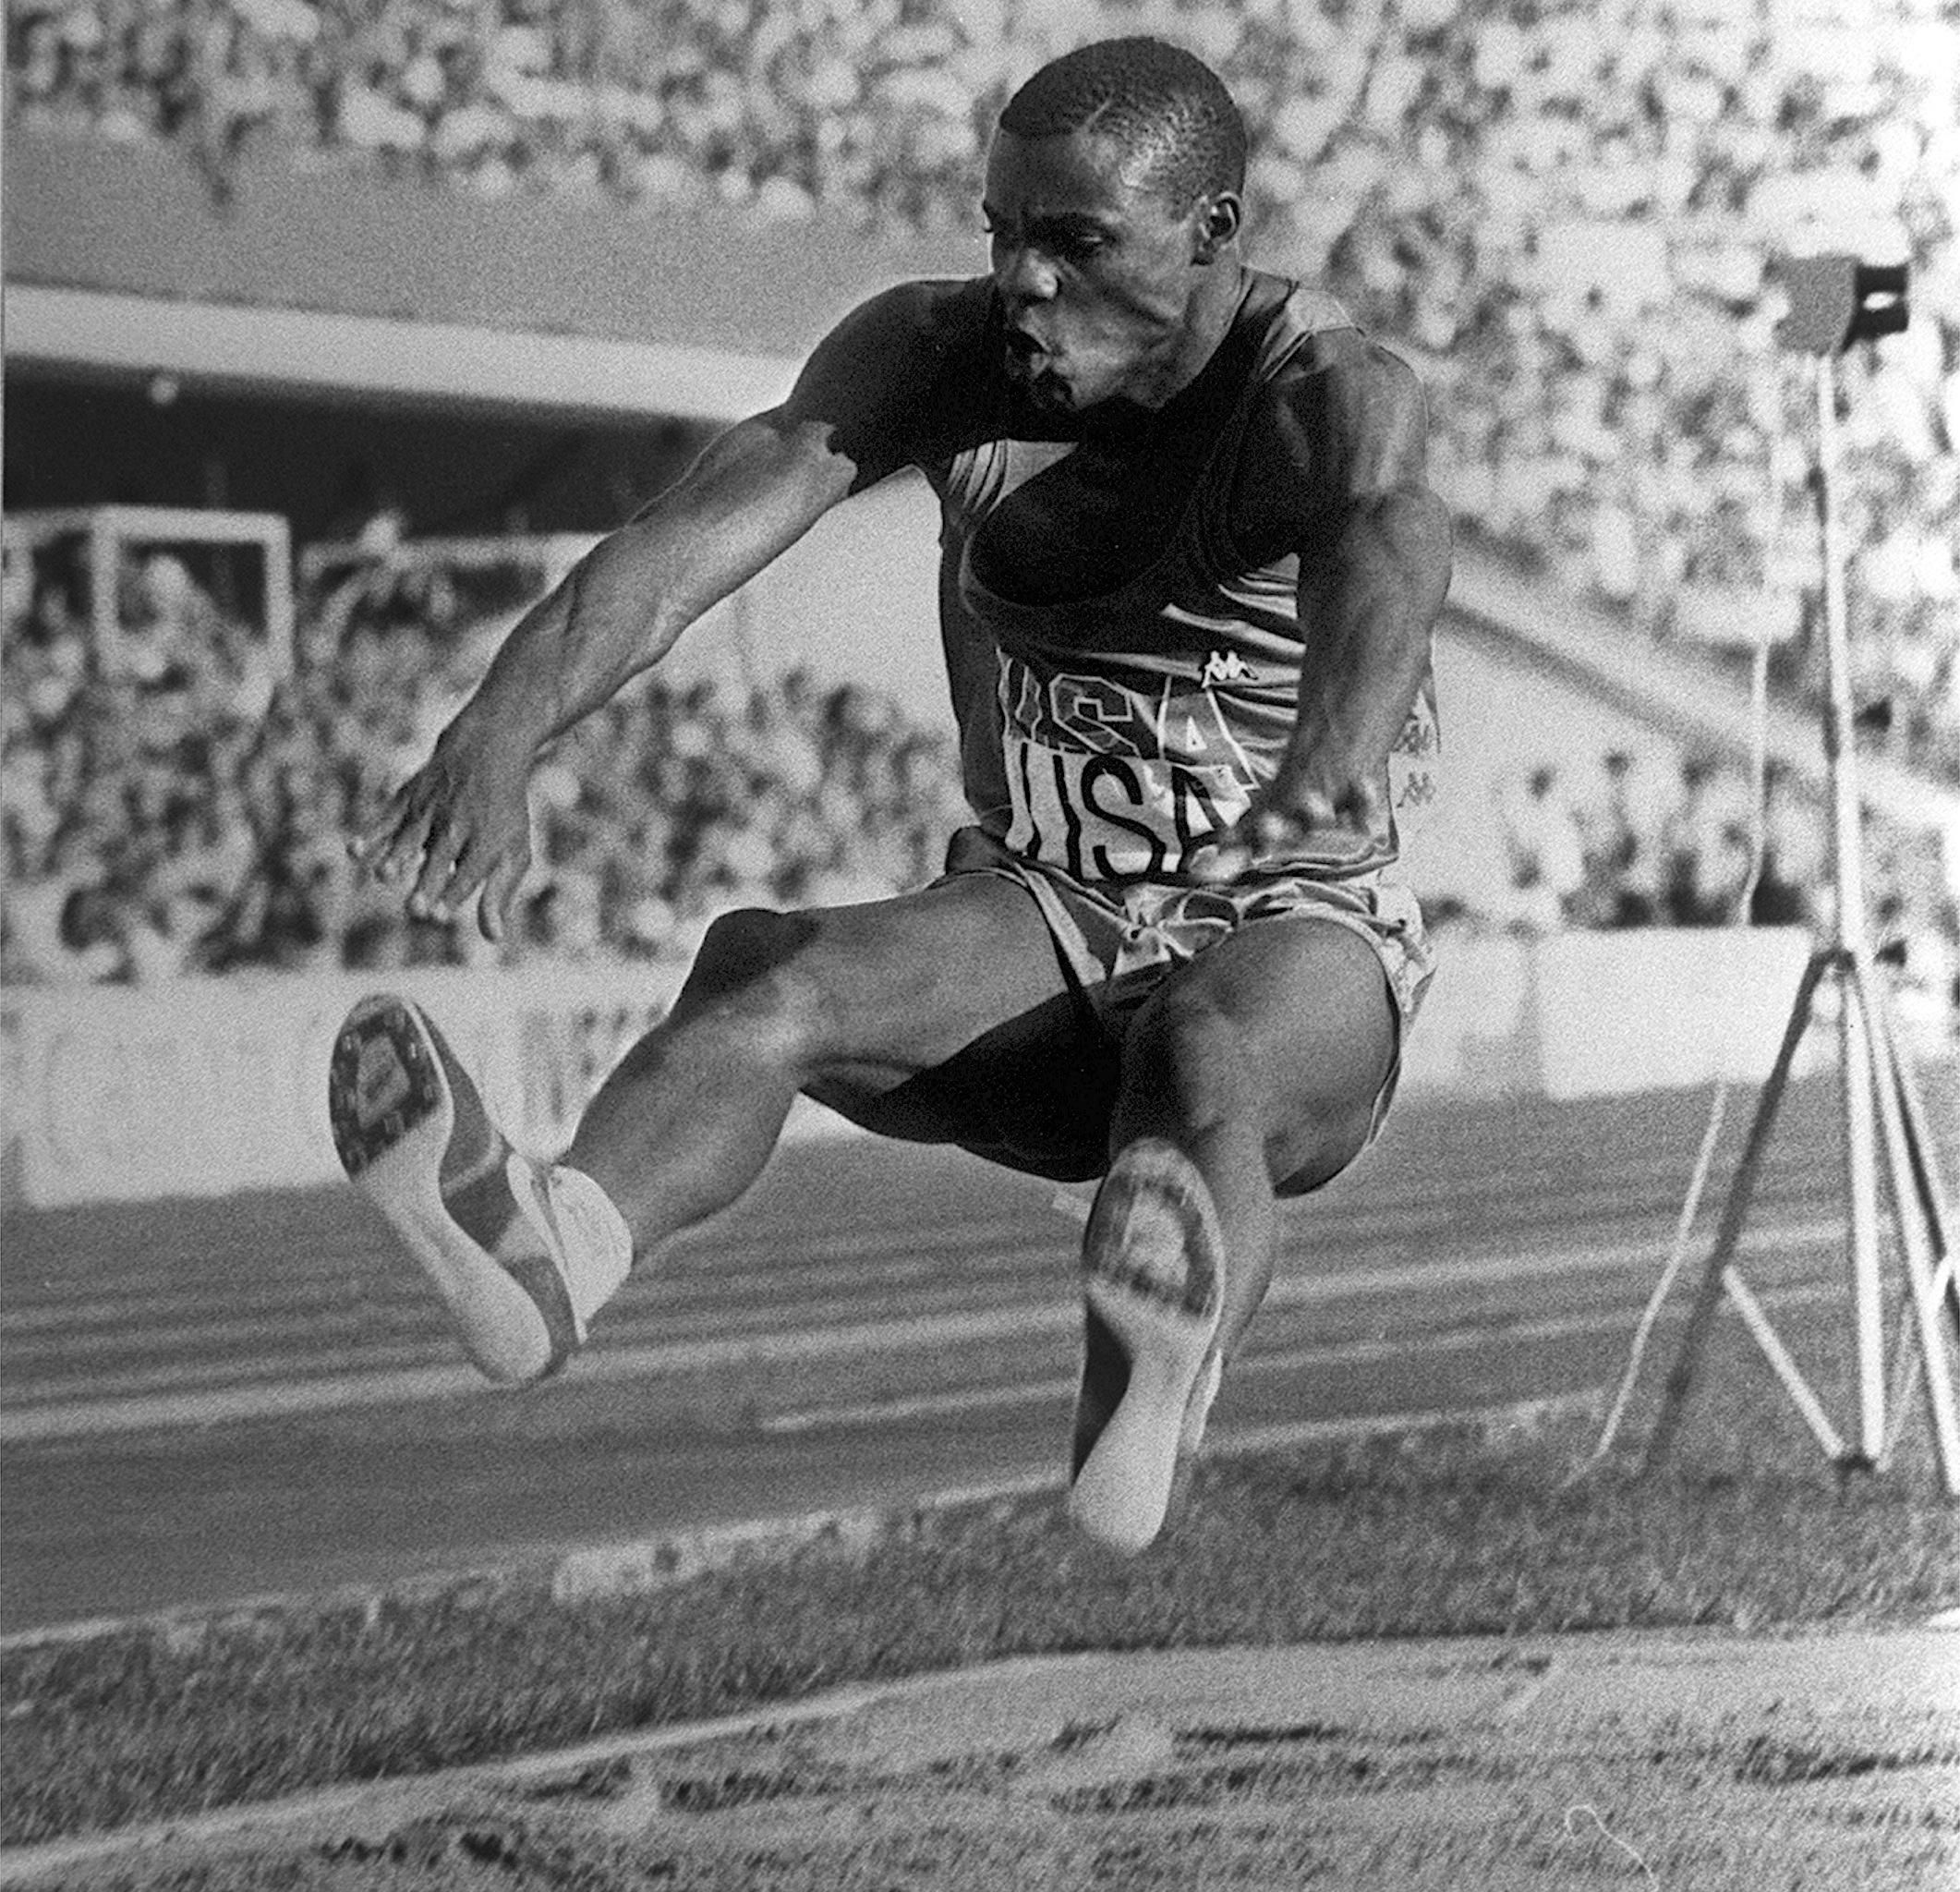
(1153, 1278)
(415, 1139)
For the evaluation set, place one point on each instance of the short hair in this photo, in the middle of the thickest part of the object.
(1158, 102)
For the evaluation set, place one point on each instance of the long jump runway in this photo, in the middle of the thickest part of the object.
(202, 1402)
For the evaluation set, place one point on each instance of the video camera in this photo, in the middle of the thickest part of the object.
(1836, 300)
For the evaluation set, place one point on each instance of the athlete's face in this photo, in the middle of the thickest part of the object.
(1098, 275)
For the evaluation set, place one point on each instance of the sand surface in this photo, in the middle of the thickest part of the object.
(1691, 1761)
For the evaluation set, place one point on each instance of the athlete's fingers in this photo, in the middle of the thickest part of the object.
(402, 851)
(1225, 859)
(430, 895)
(472, 861)
(1356, 805)
(1352, 808)
(493, 909)
(477, 861)
(377, 835)
(1314, 813)
(395, 830)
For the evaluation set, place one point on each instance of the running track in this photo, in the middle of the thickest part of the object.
(202, 1402)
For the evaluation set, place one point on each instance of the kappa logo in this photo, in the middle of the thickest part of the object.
(1225, 667)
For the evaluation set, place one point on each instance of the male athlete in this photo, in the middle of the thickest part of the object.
(1191, 568)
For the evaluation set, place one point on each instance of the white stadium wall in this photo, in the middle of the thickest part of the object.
(208, 1087)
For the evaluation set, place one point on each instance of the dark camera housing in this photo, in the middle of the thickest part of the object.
(1836, 300)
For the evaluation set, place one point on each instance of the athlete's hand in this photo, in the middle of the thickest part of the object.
(460, 824)
(1326, 818)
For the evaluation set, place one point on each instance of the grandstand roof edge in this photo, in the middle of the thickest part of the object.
(296, 352)
(1678, 691)
(351, 241)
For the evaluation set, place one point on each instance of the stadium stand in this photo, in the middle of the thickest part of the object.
(190, 815)
(185, 810)
(1567, 216)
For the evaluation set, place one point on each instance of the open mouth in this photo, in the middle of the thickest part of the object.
(1031, 364)
(1025, 352)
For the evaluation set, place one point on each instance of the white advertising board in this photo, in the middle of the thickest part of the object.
(209, 1087)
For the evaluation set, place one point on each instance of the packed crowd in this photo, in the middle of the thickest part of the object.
(185, 808)
(1637, 841)
(1644, 839)
(190, 812)
(1568, 213)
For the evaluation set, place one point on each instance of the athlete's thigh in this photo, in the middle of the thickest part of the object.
(947, 1019)
(1309, 1009)
(889, 988)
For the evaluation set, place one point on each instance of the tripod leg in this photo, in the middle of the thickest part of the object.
(1906, 1172)
(1809, 1410)
(1858, 1066)
(1734, 1212)
(1677, 1256)
(1907, 1360)
(1904, 1379)
(1926, 1170)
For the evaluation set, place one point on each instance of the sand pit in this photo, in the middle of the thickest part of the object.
(1702, 1760)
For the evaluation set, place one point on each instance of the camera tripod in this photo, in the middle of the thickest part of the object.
(1836, 300)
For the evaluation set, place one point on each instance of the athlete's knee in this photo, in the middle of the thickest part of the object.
(1198, 1066)
(1198, 1062)
(742, 945)
(753, 974)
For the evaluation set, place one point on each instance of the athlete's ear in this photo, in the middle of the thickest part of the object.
(1217, 223)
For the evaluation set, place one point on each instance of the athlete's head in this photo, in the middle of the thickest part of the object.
(1113, 186)
(1167, 111)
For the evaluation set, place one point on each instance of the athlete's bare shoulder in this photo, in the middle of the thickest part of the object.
(1344, 421)
(885, 378)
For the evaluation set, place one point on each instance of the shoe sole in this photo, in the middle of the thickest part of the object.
(384, 1084)
(1161, 1170)
(392, 1107)
(1131, 1315)
(1110, 1288)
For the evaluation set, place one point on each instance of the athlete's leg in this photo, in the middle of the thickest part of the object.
(1255, 1067)
(921, 1015)
(848, 1002)
(1261, 1060)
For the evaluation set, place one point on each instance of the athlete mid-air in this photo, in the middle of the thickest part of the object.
(1190, 573)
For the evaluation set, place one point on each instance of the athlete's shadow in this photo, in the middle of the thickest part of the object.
(1035, 1094)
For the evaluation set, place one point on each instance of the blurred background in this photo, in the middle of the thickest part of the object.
(336, 331)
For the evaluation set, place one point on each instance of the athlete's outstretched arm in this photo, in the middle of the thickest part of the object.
(1373, 541)
(460, 824)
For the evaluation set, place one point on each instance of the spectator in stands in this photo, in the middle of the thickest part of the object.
(1916, 932)
(1711, 847)
(1795, 855)
(1623, 830)
(47, 645)
(1546, 859)
(62, 920)
(1589, 416)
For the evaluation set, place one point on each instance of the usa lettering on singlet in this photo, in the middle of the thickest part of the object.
(1111, 782)
(1127, 729)
(1114, 780)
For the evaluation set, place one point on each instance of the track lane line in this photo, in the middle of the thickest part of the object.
(29, 1420)
(1347, 1352)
